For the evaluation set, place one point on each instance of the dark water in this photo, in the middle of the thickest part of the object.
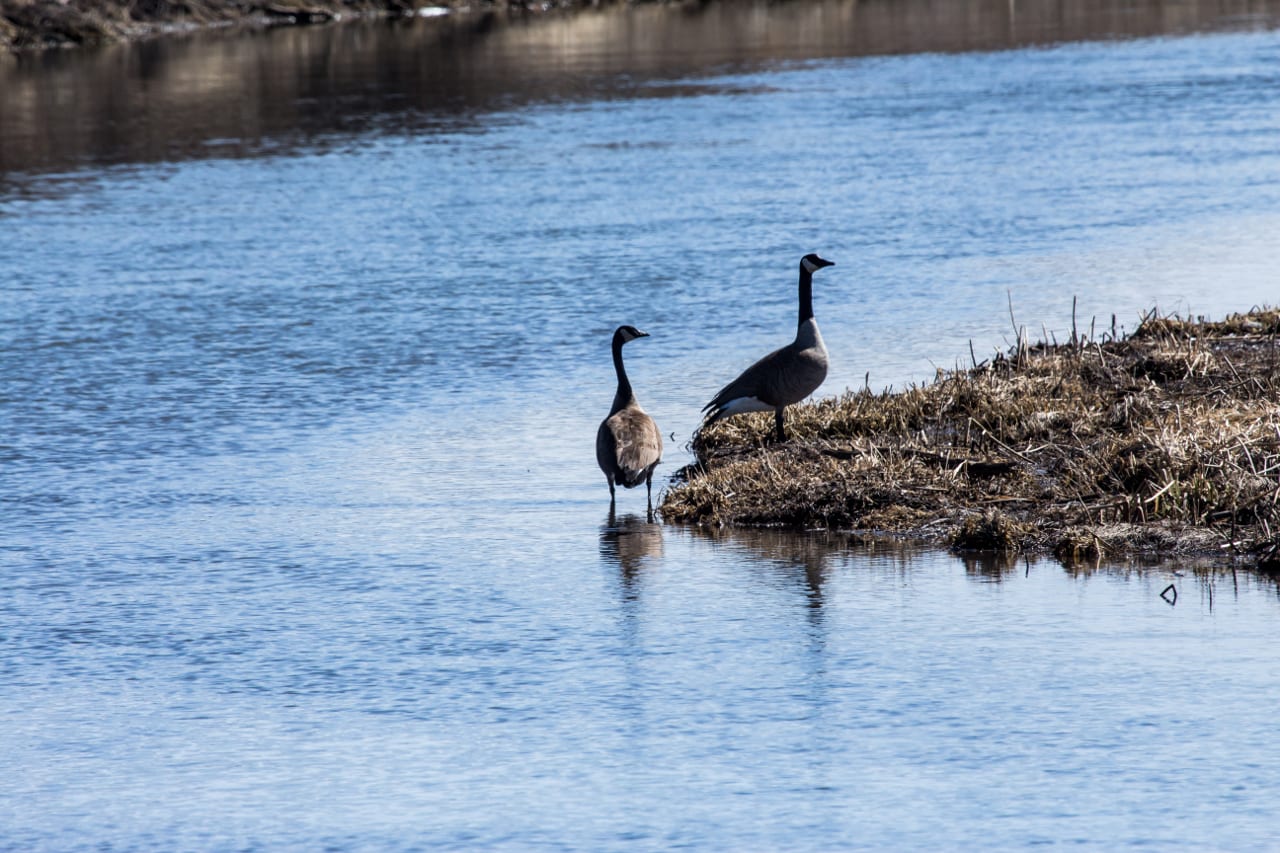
(305, 340)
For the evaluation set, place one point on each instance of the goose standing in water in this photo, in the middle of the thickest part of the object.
(784, 376)
(628, 444)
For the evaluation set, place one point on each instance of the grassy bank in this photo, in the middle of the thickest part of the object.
(1166, 441)
(30, 24)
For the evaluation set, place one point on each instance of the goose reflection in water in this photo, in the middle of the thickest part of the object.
(810, 553)
(628, 542)
(991, 566)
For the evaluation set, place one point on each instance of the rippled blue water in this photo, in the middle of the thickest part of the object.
(304, 544)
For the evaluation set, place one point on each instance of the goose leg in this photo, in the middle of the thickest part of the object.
(611, 495)
(648, 488)
(777, 419)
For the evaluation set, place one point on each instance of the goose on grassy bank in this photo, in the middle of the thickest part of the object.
(784, 376)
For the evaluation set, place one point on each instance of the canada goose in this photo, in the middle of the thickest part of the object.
(628, 444)
(784, 376)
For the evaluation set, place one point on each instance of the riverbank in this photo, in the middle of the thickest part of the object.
(1166, 441)
(35, 24)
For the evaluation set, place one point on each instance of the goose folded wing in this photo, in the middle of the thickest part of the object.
(755, 390)
(639, 445)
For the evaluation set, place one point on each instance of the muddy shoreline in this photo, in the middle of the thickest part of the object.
(1164, 442)
(40, 24)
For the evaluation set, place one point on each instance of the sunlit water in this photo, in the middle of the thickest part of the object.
(303, 540)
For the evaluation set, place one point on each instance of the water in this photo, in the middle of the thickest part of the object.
(305, 342)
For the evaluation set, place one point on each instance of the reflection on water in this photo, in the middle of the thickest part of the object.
(992, 565)
(807, 555)
(235, 95)
(811, 559)
(630, 542)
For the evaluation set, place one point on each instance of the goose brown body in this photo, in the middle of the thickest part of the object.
(628, 444)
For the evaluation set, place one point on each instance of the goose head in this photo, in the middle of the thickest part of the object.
(811, 263)
(629, 333)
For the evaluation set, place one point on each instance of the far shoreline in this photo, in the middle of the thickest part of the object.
(49, 24)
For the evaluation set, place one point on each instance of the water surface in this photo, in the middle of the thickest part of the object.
(305, 342)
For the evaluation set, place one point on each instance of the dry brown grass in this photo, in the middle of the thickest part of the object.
(1165, 441)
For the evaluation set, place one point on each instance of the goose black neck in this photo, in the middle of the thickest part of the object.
(624, 394)
(806, 295)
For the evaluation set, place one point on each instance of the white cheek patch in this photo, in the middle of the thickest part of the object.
(809, 266)
(742, 405)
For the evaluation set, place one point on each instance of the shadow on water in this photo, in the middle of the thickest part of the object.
(261, 93)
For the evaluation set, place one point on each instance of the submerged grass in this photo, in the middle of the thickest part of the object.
(1167, 440)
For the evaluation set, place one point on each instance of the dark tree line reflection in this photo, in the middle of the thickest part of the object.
(249, 94)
